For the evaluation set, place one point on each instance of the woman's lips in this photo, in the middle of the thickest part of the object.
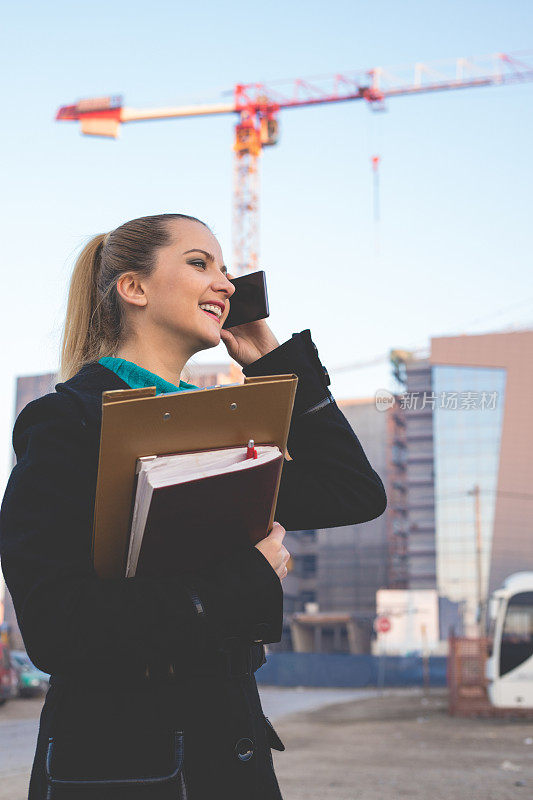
(210, 314)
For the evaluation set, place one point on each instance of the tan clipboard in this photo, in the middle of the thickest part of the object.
(137, 422)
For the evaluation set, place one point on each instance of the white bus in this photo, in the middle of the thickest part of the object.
(510, 665)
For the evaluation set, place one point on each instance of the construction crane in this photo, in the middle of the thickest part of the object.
(258, 105)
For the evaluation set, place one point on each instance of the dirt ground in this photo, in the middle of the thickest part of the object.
(406, 746)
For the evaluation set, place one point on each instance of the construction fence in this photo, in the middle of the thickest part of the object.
(349, 670)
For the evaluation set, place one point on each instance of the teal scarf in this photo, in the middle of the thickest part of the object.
(138, 377)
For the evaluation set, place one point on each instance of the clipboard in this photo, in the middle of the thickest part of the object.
(138, 423)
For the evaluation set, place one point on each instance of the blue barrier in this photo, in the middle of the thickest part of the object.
(345, 669)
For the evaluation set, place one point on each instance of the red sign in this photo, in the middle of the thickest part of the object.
(382, 624)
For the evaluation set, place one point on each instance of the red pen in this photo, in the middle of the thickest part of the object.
(251, 452)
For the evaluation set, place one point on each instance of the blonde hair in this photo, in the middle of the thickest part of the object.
(95, 317)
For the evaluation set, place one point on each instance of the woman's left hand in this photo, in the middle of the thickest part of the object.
(248, 342)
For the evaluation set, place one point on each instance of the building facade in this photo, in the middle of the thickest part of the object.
(484, 471)
(469, 475)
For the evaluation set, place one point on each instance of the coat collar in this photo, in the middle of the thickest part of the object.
(86, 386)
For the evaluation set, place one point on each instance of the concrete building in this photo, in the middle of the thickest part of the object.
(327, 632)
(330, 593)
(413, 491)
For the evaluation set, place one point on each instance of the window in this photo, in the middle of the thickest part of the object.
(305, 565)
(517, 636)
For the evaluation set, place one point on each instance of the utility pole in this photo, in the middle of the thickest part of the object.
(479, 573)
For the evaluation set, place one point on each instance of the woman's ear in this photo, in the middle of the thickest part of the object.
(130, 289)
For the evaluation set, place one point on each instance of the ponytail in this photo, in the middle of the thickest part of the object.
(78, 345)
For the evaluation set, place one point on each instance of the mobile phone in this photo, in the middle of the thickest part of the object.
(249, 301)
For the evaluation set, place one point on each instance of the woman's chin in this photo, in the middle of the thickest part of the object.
(209, 340)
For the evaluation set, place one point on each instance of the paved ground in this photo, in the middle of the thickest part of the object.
(278, 701)
(19, 721)
(360, 746)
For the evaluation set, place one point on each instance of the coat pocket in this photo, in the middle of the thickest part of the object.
(272, 737)
(64, 778)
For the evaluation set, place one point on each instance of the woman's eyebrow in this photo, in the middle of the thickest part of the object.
(209, 257)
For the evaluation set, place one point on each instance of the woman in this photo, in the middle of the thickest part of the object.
(153, 692)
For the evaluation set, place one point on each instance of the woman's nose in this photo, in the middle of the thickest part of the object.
(226, 286)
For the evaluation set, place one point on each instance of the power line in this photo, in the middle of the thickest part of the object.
(465, 493)
(419, 349)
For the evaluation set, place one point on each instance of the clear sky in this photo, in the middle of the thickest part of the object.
(455, 234)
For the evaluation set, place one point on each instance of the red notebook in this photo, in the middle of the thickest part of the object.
(192, 509)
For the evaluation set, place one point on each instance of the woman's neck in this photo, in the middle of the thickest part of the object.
(167, 366)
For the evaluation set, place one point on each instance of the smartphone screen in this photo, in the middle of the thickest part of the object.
(249, 301)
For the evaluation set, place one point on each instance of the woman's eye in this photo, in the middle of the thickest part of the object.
(202, 263)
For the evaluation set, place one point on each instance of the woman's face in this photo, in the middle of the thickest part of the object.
(185, 278)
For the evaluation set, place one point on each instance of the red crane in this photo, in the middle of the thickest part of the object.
(258, 105)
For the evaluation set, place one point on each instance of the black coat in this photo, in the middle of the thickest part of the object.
(154, 678)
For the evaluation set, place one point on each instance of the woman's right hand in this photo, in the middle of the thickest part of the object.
(275, 551)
